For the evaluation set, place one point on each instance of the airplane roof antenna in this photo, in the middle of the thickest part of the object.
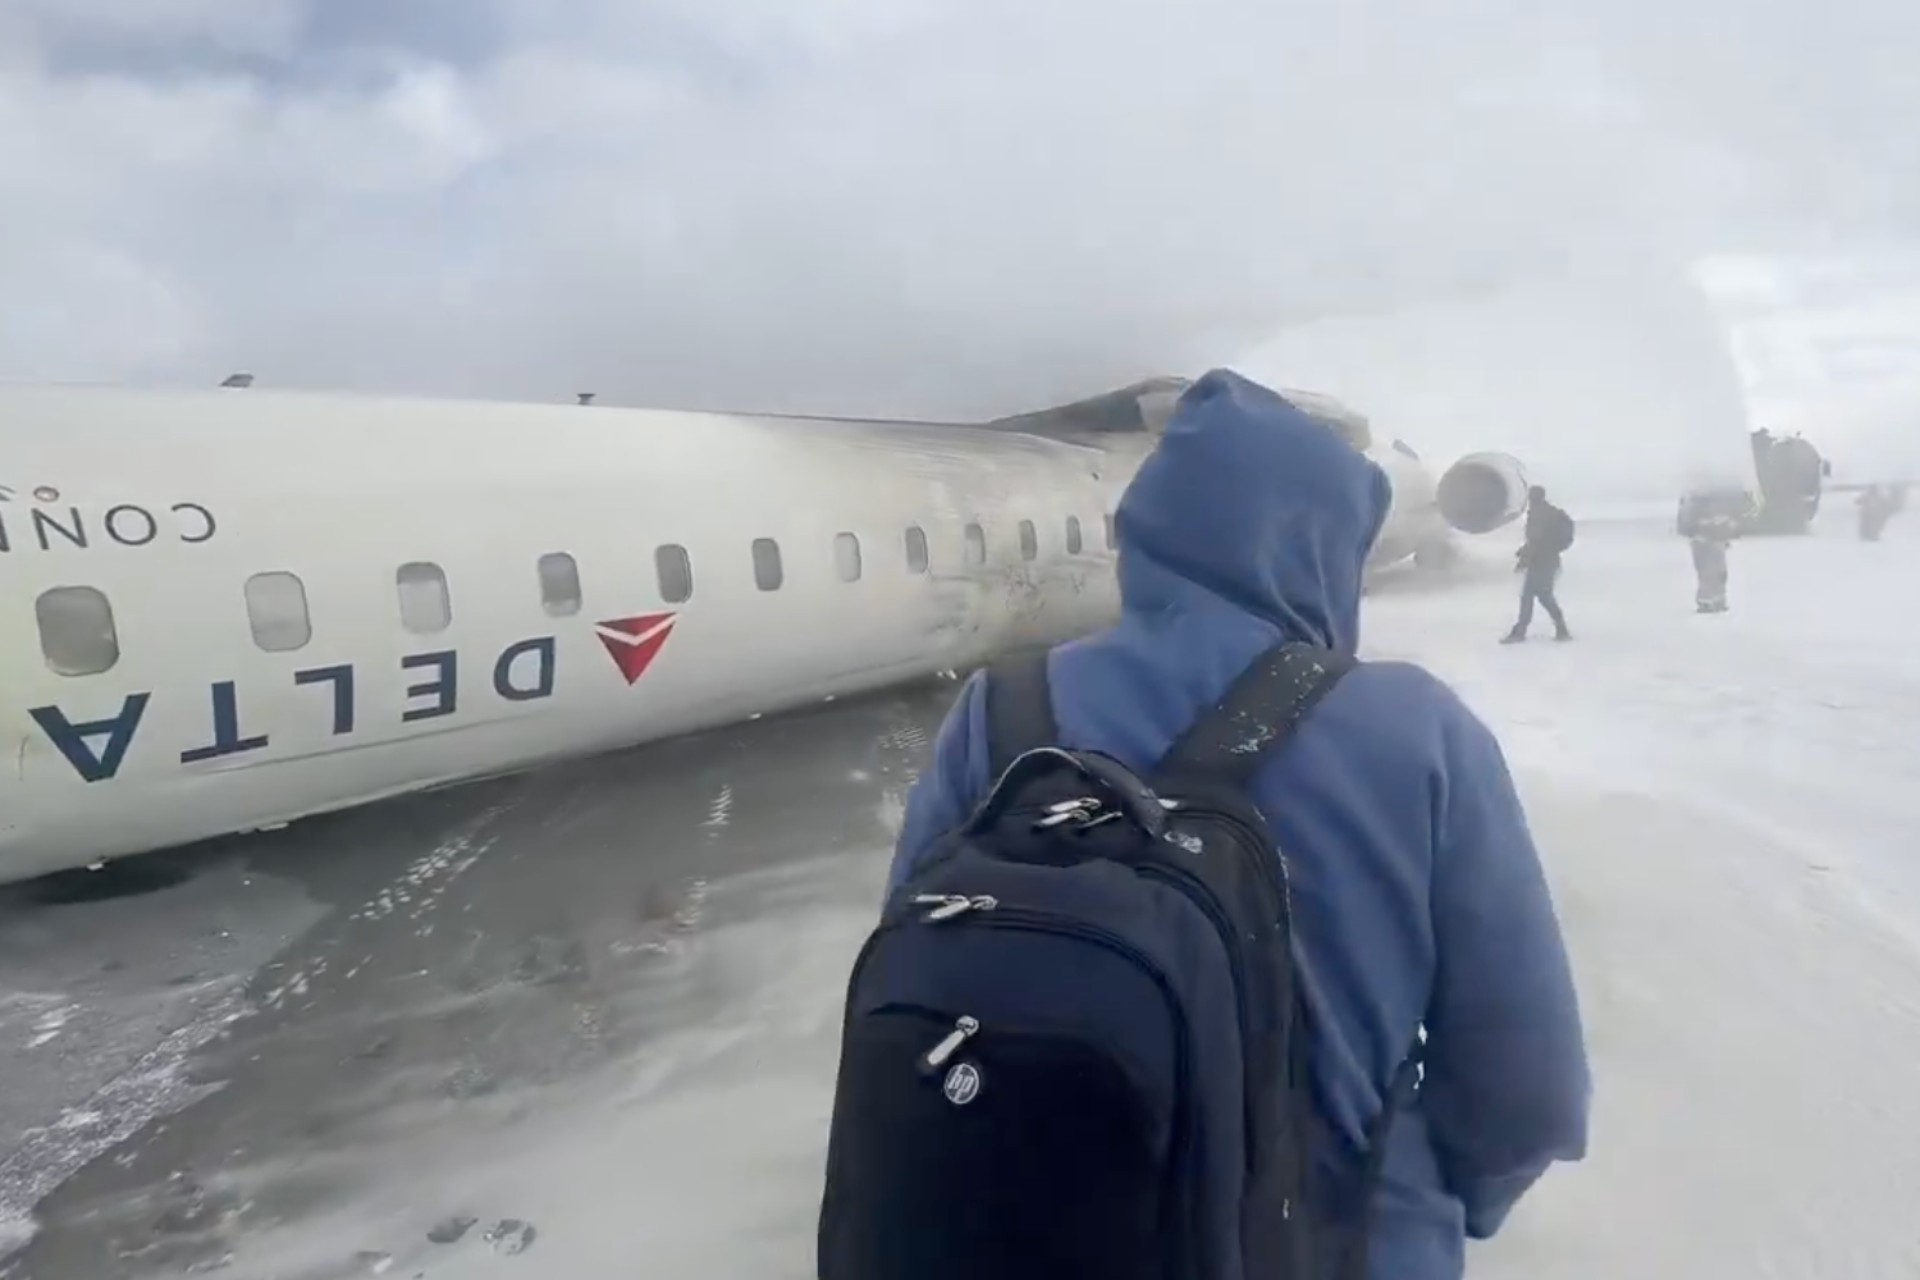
(586, 397)
(238, 380)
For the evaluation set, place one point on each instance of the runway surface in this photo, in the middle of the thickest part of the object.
(304, 1000)
(583, 1024)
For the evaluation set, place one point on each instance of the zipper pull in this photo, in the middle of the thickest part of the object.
(948, 905)
(1075, 811)
(962, 1031)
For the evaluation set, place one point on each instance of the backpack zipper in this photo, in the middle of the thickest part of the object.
(964, 1029)
(986, 910)
(1195, 890)
(1275, 876)
(991, 912)
(1038, 920)
(947, 905)
(1273, 873)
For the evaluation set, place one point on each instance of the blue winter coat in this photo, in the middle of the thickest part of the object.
(1419, 897)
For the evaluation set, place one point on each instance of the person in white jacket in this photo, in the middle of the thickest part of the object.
(1709, 527)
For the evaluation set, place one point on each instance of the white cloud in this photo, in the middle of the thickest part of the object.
(150, 328)
(233, 26)
(913, 205)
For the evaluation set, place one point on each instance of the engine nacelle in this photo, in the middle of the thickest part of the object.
(1482, 492)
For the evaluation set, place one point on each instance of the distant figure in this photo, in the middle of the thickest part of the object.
(1709, 527)
(1879, 504)
(1549, 534)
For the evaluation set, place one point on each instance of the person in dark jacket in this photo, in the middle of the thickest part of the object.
(1549, 534)
(1418, 894)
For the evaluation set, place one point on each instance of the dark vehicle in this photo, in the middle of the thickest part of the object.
(1792, 476)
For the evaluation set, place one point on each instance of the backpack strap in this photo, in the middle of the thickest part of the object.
(1401, 1093)
(1258, 712)
(1019, 709)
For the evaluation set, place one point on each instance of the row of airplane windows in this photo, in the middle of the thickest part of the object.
(78, 635)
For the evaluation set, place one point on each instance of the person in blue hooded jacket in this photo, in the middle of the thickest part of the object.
(1419, 897)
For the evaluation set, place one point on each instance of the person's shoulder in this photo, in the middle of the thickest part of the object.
(1403, 700)
(1408, 679)
(1418, 721)
(1412, 703)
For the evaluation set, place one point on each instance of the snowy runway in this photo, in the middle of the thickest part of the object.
(1728, 807)
(608, 1019)
(1748, 1025)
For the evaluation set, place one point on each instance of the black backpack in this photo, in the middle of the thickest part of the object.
(1563, 530)
(1074, 1048)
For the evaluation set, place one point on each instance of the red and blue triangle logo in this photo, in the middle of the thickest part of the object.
(633, 643)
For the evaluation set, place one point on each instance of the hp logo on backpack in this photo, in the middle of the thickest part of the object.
(963, 1084)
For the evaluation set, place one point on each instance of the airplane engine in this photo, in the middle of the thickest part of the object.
(1482, 492)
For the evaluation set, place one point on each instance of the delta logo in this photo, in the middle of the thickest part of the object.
(633, 643)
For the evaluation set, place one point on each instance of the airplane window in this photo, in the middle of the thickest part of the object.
(674, 567)
(916, 549)
(77, 635)
(1073, 535)
(1112, 539)
(277, 612)
(846, 556)
(976, 545)
(1029, 541)
(559, 584)
(767, 574)
(425, 604)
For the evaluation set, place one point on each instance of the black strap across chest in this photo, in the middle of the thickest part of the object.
(1227, 743)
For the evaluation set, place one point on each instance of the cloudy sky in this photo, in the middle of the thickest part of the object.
(933, 206)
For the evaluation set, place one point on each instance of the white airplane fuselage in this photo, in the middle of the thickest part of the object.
(222, 611)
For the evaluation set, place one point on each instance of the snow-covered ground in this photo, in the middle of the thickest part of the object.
(1728, 807)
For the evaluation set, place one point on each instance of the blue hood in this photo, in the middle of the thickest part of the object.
(1251, 502)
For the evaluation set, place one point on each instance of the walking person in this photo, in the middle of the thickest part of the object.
(1879, 504)
(1709, 540)
(1111, 1033)
(1549, 534)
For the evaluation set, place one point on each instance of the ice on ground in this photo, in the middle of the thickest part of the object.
(699, 1156)
(97, 1030)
